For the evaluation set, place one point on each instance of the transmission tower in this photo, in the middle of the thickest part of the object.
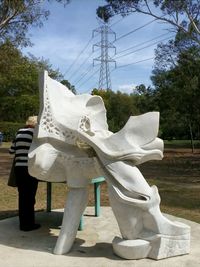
(104, 58)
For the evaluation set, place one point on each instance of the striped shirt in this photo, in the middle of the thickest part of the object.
(20, 146)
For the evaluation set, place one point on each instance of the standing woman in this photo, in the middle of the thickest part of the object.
(26, 184)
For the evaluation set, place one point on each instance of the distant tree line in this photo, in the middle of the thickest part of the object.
(19, 92)
(175, 77)
(18, 73)
(175, 93)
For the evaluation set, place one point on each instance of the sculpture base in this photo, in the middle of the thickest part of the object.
(156, 247)
(169, 246)
(91, 248)
(131, 249)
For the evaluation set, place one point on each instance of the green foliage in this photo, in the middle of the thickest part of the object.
(103, 13)
(18, 73)
(145, 99)
(16, 16)
(176, 74)
(69, 86)
(17, 109)
(119, 106)
(183, 15)
(19, 83)
(181, 144)
(9, 130)
(178, 94)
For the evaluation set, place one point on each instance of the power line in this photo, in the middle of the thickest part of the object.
(137, 29)
(107, 45)
(116, 69)
(88, 90)
(95, 85)
(146, 24)
(116, 22)
(76, 71)
(84, 74)
(134, 63)
(90, 77)
(78, 56)
(122, 51)
(143, 47)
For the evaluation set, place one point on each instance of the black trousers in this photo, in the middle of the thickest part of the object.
(27, 188)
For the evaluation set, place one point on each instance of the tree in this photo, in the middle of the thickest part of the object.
(119, 106)
(178, 93)
(182, 15)
(69, 86)
(19, 83)
(16, 16)
(17, 109)
(19, 74)
(145, 98)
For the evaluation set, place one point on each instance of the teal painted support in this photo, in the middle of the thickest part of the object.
(97, 196)
(49, 189)
(80, 228)
(97, 193)
(97, 180)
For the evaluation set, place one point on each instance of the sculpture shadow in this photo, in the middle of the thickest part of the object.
(44, 239)
(97, 250)
(5, 214)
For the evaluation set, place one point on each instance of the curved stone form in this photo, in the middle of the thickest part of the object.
(131, 249)
(72, 143)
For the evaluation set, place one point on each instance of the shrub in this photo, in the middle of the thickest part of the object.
(9, 129)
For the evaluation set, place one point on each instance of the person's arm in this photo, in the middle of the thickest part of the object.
(12, 149)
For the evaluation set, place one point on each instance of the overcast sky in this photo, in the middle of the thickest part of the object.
(66, 40)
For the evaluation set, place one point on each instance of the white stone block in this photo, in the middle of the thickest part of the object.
(131, 249)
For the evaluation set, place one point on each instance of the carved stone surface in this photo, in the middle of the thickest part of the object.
(72, 143)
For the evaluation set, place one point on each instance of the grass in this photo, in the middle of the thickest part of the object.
(177, 177)
(178, 199)
(181, 143)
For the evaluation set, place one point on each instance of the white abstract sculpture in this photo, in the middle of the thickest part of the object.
(72, 143)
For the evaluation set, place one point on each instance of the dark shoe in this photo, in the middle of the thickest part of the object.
(30, 228)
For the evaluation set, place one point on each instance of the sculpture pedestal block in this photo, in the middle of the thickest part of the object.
(156, 247)
(169, 246)
(131, 249)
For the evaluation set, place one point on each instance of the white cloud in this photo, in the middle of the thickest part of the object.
(69, 29)
(50, 46)
(60, 51)
(126, 88)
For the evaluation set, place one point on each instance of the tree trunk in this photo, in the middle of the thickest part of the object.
(191, 136)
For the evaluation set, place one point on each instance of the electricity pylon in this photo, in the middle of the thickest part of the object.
(104, 58)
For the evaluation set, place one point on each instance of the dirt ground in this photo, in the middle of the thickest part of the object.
(177, 177)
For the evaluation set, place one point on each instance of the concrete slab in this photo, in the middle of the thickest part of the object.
(92, 246)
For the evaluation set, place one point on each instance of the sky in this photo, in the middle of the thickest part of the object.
(67, 39)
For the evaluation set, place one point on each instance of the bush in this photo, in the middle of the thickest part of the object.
(9, 130)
